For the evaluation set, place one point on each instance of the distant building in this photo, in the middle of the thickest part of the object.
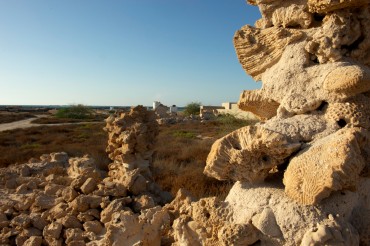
(173, 109)
(156, 104)
(226, 108)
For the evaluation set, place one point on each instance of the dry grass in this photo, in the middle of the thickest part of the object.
(18, 146)
(55, 120)
(178, 162)
(7, 117)
(181, 153)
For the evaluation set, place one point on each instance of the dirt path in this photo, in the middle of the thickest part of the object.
(27, 124)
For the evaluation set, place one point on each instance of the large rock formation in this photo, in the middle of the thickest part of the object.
(309, 157)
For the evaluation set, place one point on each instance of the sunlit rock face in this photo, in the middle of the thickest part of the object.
(313, 60)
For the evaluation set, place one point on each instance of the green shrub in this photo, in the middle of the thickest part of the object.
(192, 108)
(230, 123)
(78, 111)
(184, 134)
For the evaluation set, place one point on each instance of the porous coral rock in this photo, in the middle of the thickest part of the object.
(207, 221)
(145, 229)
(315, 93)
(322, 168)
(325, 6)
(349, 80)
(290, 13)
(248, 202)
(253, 101)
(248, 154)
(260, 49)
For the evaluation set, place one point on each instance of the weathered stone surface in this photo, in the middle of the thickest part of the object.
(260, 49)
(53, 230)
(89, 186)
(322, 168)
(33, 241)
(325, 6)
(255, 102)
(283, 222)
(248, 154)
(93, 226)
(145, 229)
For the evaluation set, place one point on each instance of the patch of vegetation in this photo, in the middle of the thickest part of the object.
(184, 134)
(78, 111)
(192, 108)
(30, 146)
(7, 117)
(19, 145)
(229, 122)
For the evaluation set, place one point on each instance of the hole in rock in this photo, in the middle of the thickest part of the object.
(318, 17)
(322, 106)
(208, 215)
(265, 158)
(258, 242)
(342, 123)
(354, 45)
(315, 60)
(237, 147)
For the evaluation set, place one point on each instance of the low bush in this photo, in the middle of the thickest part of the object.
(78, 111)
(192, 108)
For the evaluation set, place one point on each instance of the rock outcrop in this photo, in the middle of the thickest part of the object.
(309, 157)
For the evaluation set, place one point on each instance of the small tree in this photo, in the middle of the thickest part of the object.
(192, 108)
(78, 111)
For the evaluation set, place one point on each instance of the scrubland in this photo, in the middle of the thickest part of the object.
(7, 117)
(178, 161)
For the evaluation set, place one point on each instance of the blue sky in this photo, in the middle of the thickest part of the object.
(124, 52)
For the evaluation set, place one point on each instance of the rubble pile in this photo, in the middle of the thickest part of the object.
(59, 200)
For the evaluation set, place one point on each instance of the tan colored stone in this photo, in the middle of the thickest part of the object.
(325, 6)
(69, 194)
(73, 234)
(89, 186)
(349, 80)
(21, 221)
(53, 230)
(37, 221)
(248, 154)
(115, 206)
(83, 202)
(93, 226)
(330, 164)
(33, 241)
(145, 229)
(259, 49)
(44, 201)
(253, 101)
(70, 221)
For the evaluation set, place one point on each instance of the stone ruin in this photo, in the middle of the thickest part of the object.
(59, 200)
(302, 173)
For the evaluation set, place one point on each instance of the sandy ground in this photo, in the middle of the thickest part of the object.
(27, 124)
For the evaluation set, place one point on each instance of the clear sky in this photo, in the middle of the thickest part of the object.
(121, 52)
